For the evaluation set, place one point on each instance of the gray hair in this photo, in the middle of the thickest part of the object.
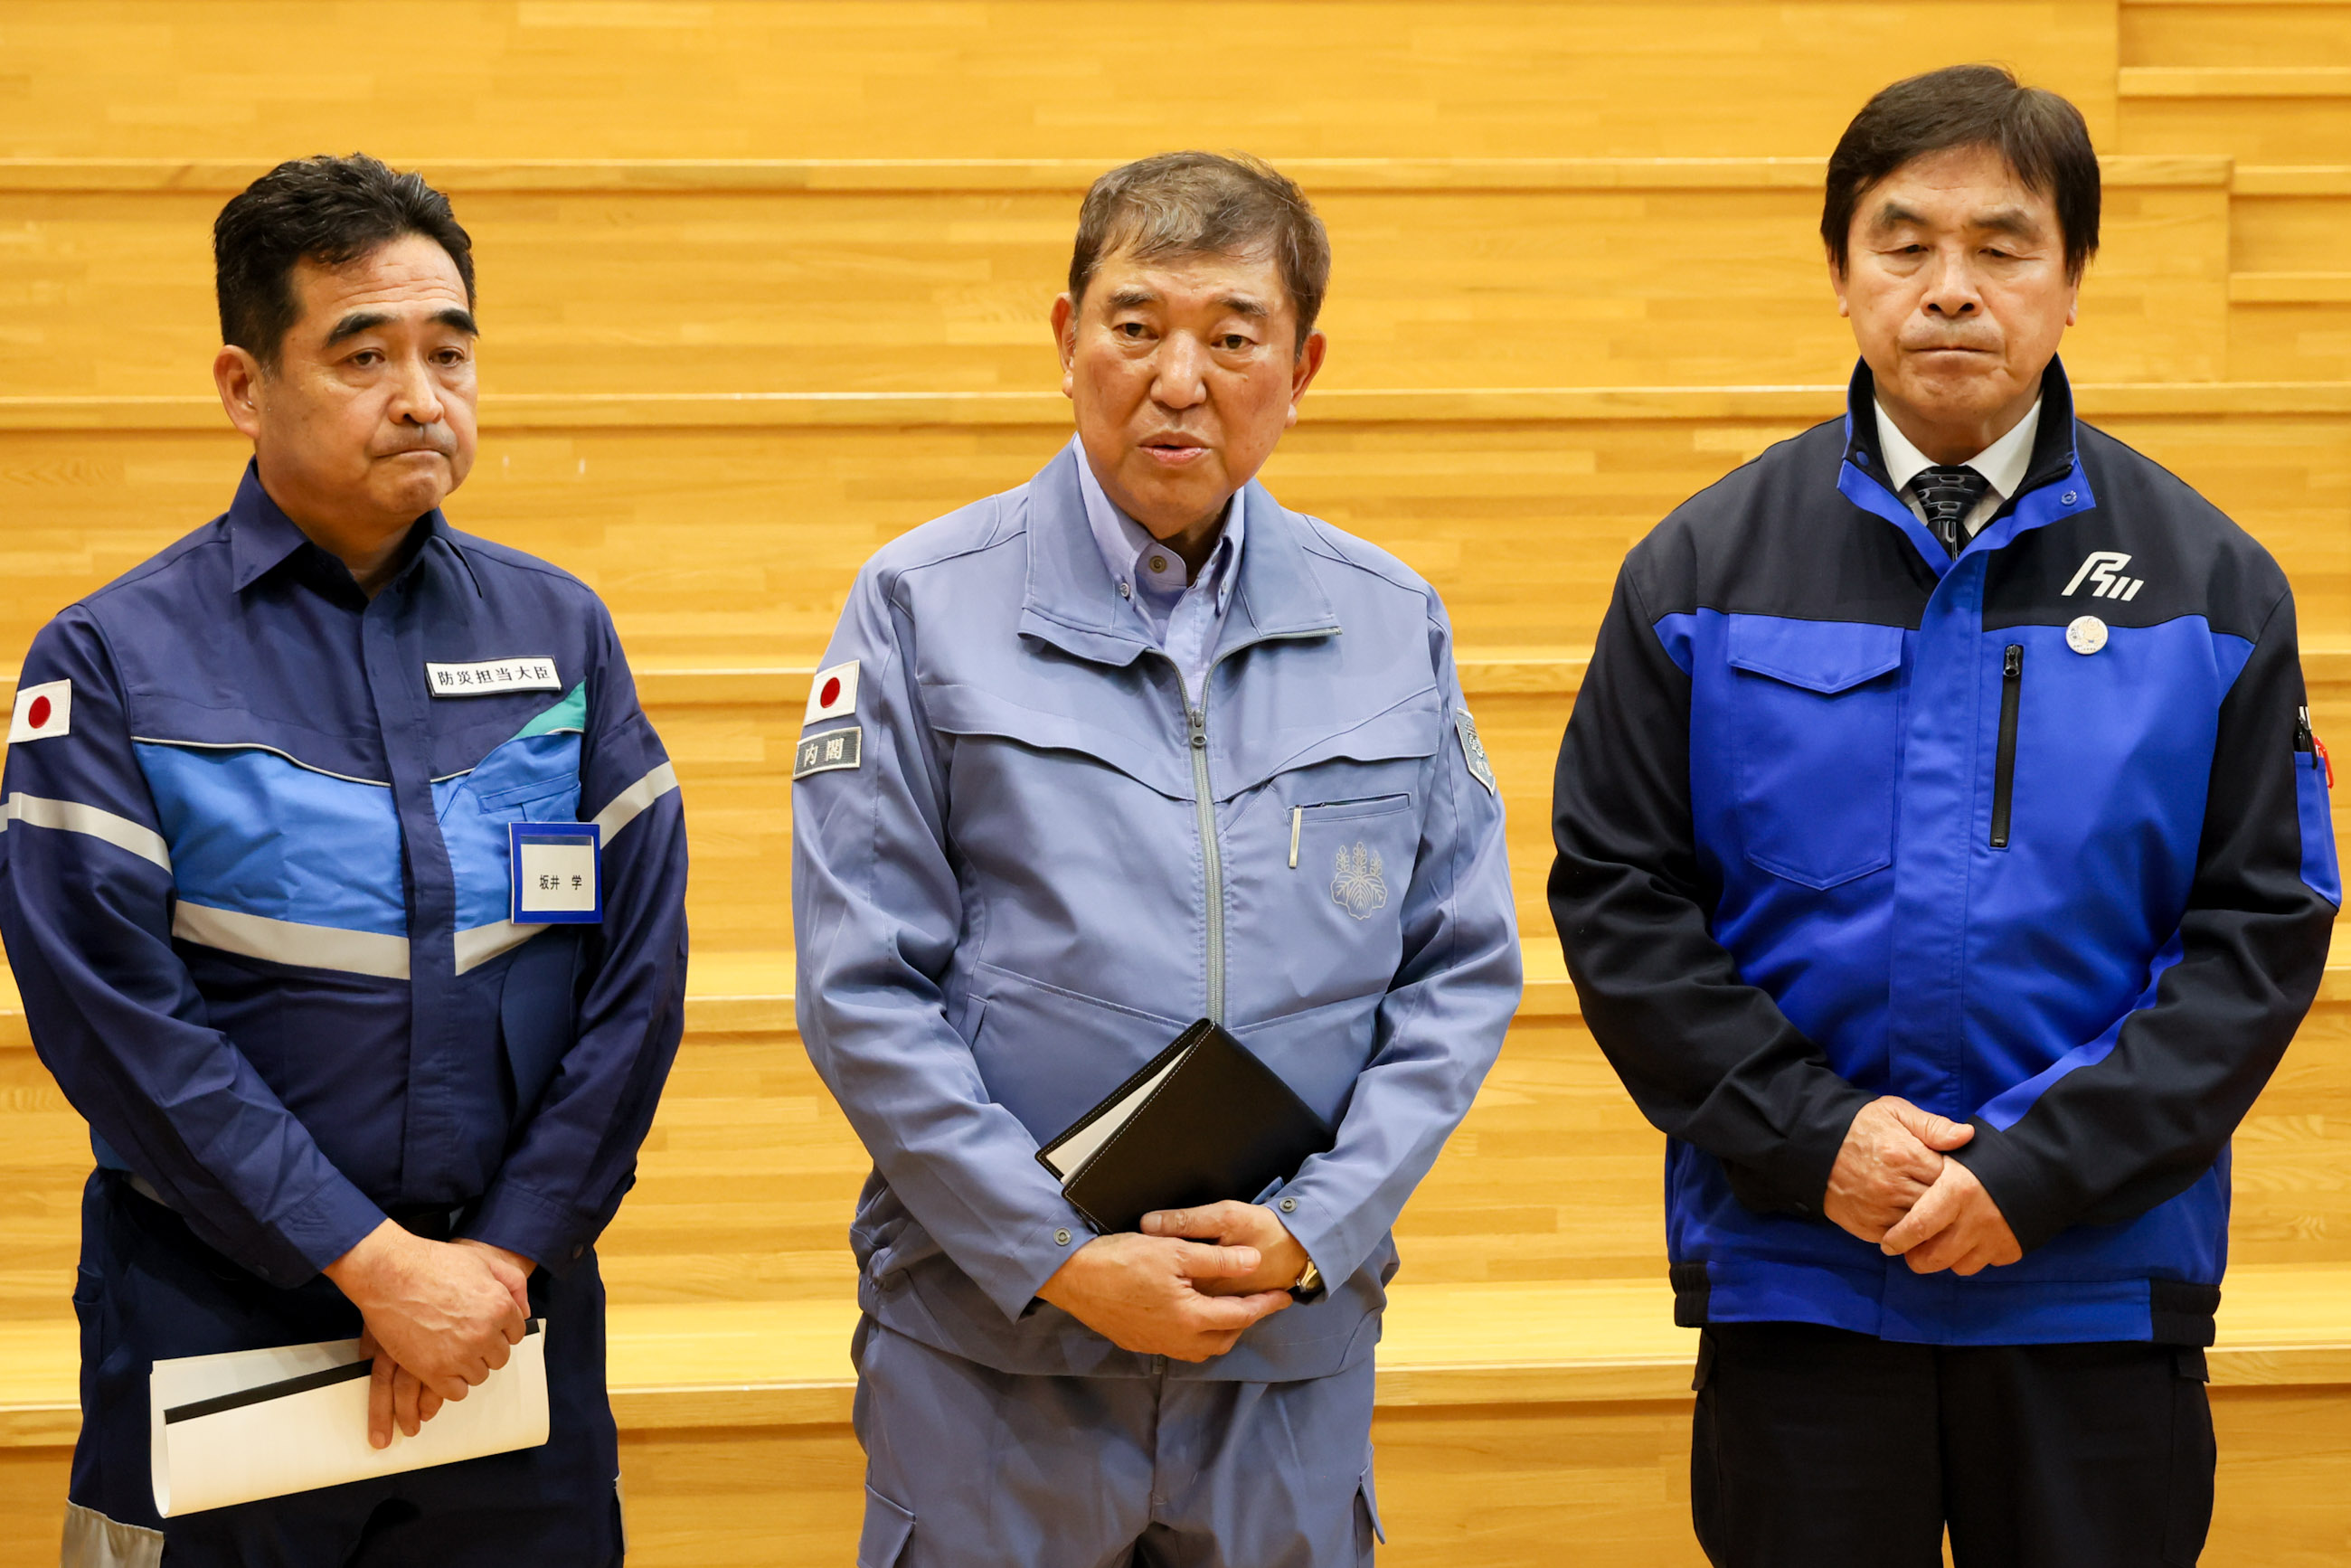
(1205, 204)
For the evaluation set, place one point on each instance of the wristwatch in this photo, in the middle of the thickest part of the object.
(1310, 1283)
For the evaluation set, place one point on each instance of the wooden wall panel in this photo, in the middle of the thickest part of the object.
(2309, 340)
(2273, 129)
(109, 293)
(895, 79)
(734, 547)
(2210, 33)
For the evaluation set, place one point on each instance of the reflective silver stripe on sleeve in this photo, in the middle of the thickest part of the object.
(73, 817)
(287, 942)
(483, 942)
(635, 798)
(94, 1541)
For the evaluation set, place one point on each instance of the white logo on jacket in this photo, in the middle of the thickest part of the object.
(2103, 569)
(1359, 888)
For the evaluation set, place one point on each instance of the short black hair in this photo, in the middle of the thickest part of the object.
(2041, 135)
(330, 211)
(1206, 203)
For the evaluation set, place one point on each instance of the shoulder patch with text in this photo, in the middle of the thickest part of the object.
(493, 677)
(834, 748)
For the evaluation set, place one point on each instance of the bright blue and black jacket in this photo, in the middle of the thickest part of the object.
(1838, 816)
(255, 894)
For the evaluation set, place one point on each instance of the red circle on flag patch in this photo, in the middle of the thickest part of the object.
(825, 698)
(38, 714)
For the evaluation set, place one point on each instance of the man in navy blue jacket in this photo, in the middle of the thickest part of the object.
(1945, 865)
(347, 1073)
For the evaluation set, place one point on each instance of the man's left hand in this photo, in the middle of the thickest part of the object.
(1231, 1224)
(1955, 1225)
(396, 1397)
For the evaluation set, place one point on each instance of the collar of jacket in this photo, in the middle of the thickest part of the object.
(261, 537)
(2055, 484)
(1072, 603)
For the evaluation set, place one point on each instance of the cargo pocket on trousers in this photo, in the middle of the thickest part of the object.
(887, 1530)
(1368, 1527)
(2188, 1516)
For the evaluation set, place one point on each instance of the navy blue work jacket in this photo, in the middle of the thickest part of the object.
(254, 887)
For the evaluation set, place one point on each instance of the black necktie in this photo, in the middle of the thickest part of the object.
(1948, 495)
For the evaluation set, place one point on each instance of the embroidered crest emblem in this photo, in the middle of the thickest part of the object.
(1473, 750)
(1359, 888)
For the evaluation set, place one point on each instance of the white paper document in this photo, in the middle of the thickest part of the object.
(262, 1423)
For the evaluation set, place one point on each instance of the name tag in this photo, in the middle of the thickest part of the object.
(556, 875)
(525, 673)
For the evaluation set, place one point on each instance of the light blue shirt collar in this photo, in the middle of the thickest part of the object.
(1184, 619)
(1151, 575)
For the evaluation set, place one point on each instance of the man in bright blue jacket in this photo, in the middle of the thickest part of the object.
(1124, 747)
(1945, 864)
(346, 1072)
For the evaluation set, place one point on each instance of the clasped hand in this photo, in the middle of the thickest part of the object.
(1187, 1286)
(1893, 1186)
(440, 1317)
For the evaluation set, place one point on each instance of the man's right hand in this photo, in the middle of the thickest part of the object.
(446, 1312)
(1137, 1292)
(1893, 1153)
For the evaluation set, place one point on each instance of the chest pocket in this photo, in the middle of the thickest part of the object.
(1816, 739)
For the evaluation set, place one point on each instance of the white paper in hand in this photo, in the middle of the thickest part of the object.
(213, 1447)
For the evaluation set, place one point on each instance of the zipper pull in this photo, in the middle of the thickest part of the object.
(1199, 725)
(2012, 663)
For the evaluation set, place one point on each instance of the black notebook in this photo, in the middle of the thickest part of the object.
(1203, 1121)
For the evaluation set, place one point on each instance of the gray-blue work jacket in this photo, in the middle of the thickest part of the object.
(1023, 863)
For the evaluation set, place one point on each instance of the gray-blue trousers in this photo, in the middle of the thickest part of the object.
(971, 1467)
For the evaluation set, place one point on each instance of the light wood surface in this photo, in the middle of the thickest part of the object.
(1447, 285)
(1053, 79)
(764, 285)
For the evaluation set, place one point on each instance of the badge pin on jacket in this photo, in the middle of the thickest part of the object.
(2086, 635)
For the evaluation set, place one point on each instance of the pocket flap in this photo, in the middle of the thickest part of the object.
(1090, 729)
(887, 1530)
(1405, 731)
(1825, 656)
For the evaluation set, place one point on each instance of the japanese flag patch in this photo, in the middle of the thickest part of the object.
(43, 712)
(833, 692)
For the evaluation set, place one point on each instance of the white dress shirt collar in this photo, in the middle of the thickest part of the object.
(2004, 463)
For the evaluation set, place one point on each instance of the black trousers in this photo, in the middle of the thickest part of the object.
(1818, 1448)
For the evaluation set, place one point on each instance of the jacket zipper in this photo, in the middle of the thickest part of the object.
(2003, 787)
(1212, 859)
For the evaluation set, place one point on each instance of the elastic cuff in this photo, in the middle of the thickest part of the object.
(2020, 1192)
(534, 1226)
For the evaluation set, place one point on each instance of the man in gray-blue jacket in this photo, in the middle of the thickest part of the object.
(1124, 747)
